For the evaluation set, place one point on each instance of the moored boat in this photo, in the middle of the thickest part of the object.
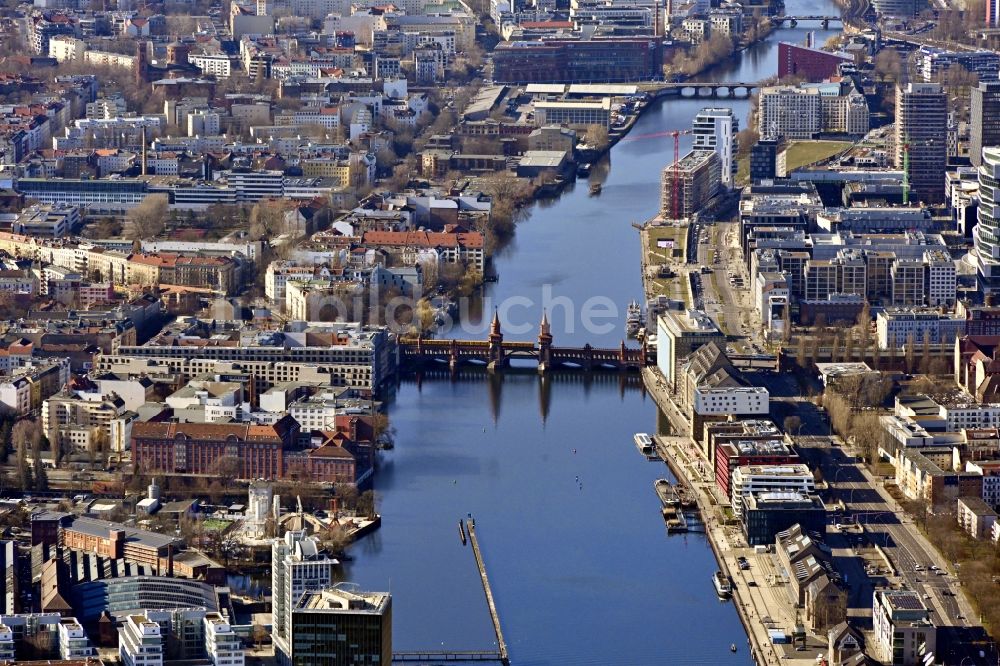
(633, 318)
(644, 443)
(722, 586)
(666, 492)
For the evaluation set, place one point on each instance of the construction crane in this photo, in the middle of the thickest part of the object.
(907, 144)
(906, 170)
(675, 177)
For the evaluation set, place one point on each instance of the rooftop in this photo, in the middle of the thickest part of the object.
(345, 599)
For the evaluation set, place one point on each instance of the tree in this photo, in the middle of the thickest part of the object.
(149, 218)
(508, 194)
(366, 504)
(888, 64)
(25, 434)
(259, 634)
(56, 448)
(597, 136)
(41, 478)
(925, 353)
(22, 473)
(98, 445)
(267, 220)
(910, 353)
(6, 431)
(800, 352)
(792, 424)
(228, 469)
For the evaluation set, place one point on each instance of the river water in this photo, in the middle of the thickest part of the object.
(578, 557)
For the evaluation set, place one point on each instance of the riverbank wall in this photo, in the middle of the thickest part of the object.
(672, 453)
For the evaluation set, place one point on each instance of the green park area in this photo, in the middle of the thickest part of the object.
(804, 153)
(666, 243)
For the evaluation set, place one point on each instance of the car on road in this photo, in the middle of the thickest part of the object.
(934, 568)
(918, 568)
(941, 573)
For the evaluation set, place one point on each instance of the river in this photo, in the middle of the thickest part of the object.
(581, 567)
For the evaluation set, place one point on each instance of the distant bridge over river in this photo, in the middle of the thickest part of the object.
(793, 21)
(704, 89)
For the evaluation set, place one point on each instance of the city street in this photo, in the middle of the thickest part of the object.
(884, 524)
(725, 293)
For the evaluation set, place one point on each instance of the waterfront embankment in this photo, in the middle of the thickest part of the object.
(759, 592)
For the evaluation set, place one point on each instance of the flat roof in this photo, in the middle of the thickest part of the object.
(543, 158)
(602, 89)
(102, 529)
(602, 104)
(545, 88)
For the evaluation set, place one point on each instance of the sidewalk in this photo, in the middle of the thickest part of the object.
(763, 604)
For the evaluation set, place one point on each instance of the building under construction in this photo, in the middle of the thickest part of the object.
(690, 183)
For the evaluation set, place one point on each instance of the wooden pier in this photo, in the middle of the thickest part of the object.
(432, 658)
(494, 615)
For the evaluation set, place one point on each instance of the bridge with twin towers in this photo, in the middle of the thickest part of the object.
(495, 354)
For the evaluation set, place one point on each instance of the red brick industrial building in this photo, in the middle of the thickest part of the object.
(344, 454)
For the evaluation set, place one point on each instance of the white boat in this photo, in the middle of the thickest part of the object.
(722, 586)
(633, 318)
(644, 443)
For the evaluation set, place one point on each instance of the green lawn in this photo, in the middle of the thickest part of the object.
(672, 287)
(215, 525)
(803, 153)
(659, 255)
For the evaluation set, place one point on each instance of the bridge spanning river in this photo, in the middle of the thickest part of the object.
(496, 354)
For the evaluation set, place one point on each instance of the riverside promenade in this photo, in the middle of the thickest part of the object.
(760, 593)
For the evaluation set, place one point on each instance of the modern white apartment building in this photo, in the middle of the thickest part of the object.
(7, 651)
(789, 112)
(800, 112)
(218, 65)
(222, 646)
(140, 642)
(716, 129)
(750, 479)
(743, 400)
(987, 232)
(990, 471)
(297, 567)
(894, 326)
(73, 641)
(942, 279)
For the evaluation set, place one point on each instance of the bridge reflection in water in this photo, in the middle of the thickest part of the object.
(625, 381)
(495, 354)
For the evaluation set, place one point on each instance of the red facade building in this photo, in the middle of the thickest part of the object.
(811, 64)
(344, 454)
(731, 455)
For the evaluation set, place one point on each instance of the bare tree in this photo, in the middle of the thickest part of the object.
(597, 136)
(149, 218)
(267, 220)
(793, 424)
